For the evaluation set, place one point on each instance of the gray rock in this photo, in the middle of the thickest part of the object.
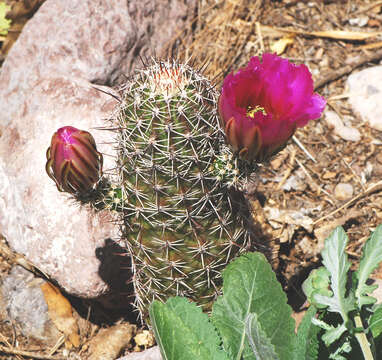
(343, 191)
(339, 128)
(360, 21)
(57, 236)
(46, 82)
(365, 89)
(90, 42)
(25, 305)
(150, 354)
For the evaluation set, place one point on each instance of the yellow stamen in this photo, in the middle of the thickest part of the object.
(252, 111)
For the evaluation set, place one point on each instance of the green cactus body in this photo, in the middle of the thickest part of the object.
(181, 222)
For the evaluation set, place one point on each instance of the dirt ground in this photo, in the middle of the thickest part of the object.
(221, 38)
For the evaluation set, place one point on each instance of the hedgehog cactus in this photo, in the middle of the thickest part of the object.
(181, 222)
(183, 216)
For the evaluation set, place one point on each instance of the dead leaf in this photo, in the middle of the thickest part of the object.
(374, 45)
(280, 45)
(109, 343)
(331, 34)
(60, 312)
(344, 35)
(295, 218)
(144, 340)
(324, 231)
(329, 175)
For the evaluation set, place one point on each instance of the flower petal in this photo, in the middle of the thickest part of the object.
(271, 96)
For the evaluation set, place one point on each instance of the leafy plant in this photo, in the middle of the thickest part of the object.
(252, 320)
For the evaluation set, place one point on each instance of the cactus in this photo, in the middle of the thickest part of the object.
(181, 219)
(73, 161)
(182, 213)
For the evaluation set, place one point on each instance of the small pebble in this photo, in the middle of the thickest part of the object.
(343, 191)
(377, 170)
(359, 21)
(347, 133)
(379, 157)
(329, 175)
(150, 354)
(373, 23)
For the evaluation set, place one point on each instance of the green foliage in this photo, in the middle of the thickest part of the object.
(375, 321)
(258, 340)
(252, 321)
(184, 332)
(307, 337)
(252, 318)
(336, 262)
(372, 256)
(348, 299)
(317, 283)
(250, 286)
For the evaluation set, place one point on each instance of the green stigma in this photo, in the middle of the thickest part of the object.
(252, 111)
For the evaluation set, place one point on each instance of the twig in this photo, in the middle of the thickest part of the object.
(354, 174)
(367, 8)
(4, 340)
(288, 170)
(59, 342)
(330, 34)
(339, 97)
(318, 187)
(336, 74)
(371, 189)
(21, 260)
(374, 45)
(34, 355)
(260, 36)
(302, 147)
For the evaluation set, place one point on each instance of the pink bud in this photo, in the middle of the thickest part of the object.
(73, 161)
(263, 104)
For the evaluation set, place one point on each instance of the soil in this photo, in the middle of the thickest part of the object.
(221, 38)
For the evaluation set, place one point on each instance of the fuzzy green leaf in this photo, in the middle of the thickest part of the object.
(371, 257)
(250, 286)
(336, 261)
(332, 333)
(258, 340)
(182, 331)
(318, 282)
(344, 348)
(375, 321)
(307, 340)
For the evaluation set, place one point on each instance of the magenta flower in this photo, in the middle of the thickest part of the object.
(263, 104)
(73, 160)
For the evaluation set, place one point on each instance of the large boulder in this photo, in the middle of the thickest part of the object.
(52, 77)
(365, 89)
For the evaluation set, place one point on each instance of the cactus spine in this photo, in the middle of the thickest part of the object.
(181, 223)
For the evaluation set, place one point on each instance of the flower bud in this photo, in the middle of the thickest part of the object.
(263, 104)
(73, 161)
